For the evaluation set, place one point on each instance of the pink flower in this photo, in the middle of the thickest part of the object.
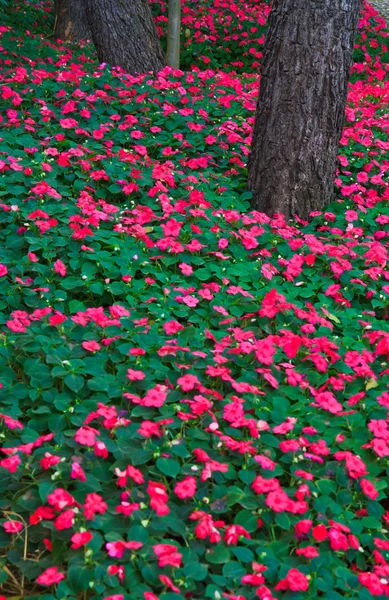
(11, 464)
(150, 596)
(50, 576)
(172, 327)
(86, 435)
(3, 270)
(135, 375)
(68, 123)
(368, 488)
(185, 269)
(60, 268)
(186, 488)
(167, 555)
(49, 460)
(233, 532)
(168, 582)
(188, 382)
(94, 504)
(308, 552)
(60, 499)
(294, 581)
(65, 520)
(190, 301)
(81, 539)
(91, 345)
(117, 549)
(57, 318)
(13, 526)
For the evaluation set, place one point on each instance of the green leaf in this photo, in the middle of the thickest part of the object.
(168, 466)
(247, 520)
(327, 486)
(245, 555)
(74, 382)
(79, 577)
(283, 520)
(76, 305)
(196, 571)
(233, 570)
(218, 555)
(99, 384)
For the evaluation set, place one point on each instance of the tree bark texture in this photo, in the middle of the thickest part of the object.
(70, 20)
(124, 35)
(173, 34)
(301, 106)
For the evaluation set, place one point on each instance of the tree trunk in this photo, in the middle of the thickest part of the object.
(70, 20)
(124, 35)
(173, 34)
(301, 106)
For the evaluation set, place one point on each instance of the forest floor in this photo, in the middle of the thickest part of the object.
(194, 396)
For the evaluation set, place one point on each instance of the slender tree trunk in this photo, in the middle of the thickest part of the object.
(70, 20)
(301, 106)
(124, 34)
(173, 34)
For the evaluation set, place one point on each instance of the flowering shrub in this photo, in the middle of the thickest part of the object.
(194, 397)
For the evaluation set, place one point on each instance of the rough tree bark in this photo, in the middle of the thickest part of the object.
(301, 106)
(173, 34)
(70, 20)
(124, 34)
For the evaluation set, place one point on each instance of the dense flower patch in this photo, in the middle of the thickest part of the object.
(194, 398)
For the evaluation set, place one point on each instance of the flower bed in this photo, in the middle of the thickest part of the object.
(194, 397)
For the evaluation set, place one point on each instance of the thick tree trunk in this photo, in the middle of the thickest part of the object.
(173, 34)
(300, 112)
(124, 34)
(70, 20)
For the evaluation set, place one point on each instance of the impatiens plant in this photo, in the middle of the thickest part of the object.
(194, 397)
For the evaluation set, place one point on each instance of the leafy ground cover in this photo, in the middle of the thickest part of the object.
(194, 398)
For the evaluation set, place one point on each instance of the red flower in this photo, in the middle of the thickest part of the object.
(60, 268)
(50, 576)
(65, 520)
(308, 552)
(368, 488)
(233, 532)
(116, 570)
(159, 498)
(86, 435)
(77, 472)
(135, 375)
(117, 549)
(135, 474)
(94, 504)
(167, 555)
(40, 514)
(319, 533)
(91, 345)
(60, 499)
(49, 461)
(81, 539)
(168, 582)
(186, 488)
(188, 382)
(13, 526)
(294, 581)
